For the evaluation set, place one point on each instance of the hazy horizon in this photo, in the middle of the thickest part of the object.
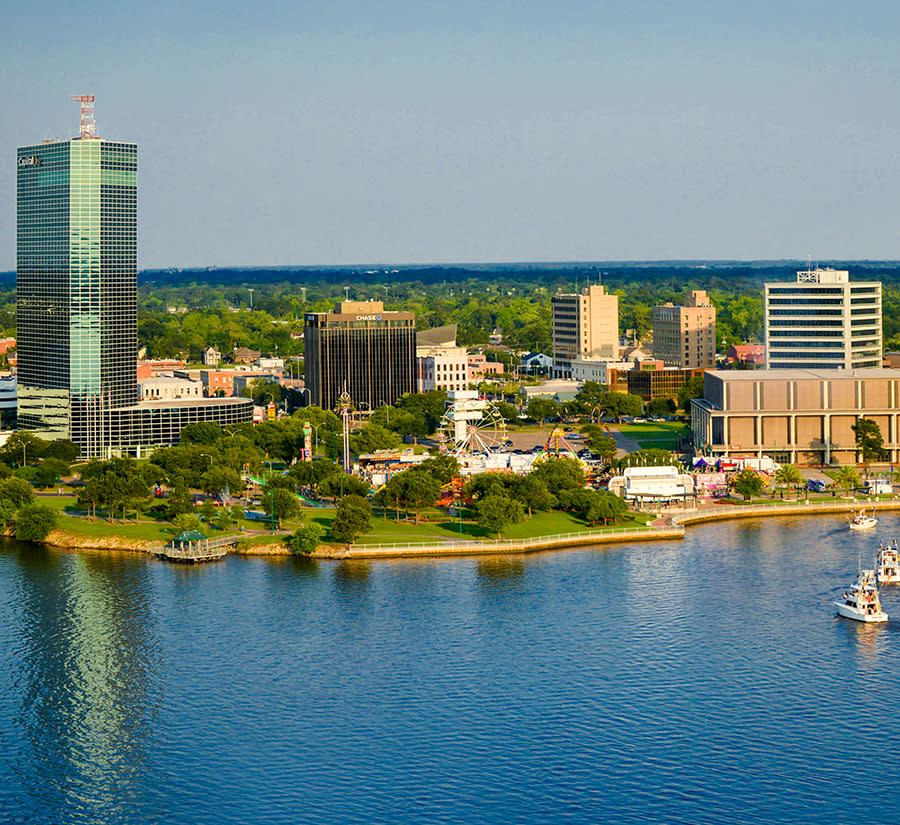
(296, 134)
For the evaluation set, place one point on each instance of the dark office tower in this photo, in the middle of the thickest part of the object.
(360, 347)
(76, 285)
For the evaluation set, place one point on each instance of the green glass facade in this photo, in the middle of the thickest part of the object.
(76, 286)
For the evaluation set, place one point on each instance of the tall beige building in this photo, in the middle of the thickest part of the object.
(584, 327)
(685, 336)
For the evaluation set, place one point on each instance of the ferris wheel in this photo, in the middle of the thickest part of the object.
(472, 424)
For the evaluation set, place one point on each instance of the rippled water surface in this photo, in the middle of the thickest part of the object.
(701, 681)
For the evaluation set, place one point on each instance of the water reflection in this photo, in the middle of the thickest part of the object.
(352, 576)
(500, 573)
(88, 652)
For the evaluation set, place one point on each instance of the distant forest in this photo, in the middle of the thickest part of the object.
(182, 311)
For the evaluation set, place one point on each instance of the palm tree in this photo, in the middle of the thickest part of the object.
(846, 477)
(789, 476)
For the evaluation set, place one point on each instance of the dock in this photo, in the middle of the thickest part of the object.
(197, 550)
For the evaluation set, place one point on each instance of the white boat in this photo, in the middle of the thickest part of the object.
(861, 521)
(861, 602)
(887, 564)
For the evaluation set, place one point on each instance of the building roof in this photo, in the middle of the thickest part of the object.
(188, 535)
(187, 402)
(437, 337)
(802, 374)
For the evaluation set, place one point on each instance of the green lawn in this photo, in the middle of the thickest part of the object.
(663, 435)
(389, 531)
(99, 528)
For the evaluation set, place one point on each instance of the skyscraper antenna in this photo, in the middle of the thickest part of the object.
(88, 128)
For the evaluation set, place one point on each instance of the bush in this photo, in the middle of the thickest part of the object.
(34, 522)
(16, 490)
(305, 539)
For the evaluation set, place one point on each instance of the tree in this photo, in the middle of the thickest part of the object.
(64, 449)
(845, 477)
(427, 407)
(371, 438)
(218, 478)
(661, 406)
(420, 490)
(305, 539)
(496, 510)
(540, 409)
(340, 484)
(7, 512)
(617, 404)
(443, 467)
(648, 457)
(50, 471)
(223, 518)
(391, 495)
(351, 519)
(789, 476)
(591, 393)
(509, 412)
(533, 493)
(207, 510)
(560, 474)
(21, 447)
(594, 505)
(747, 484)
(16, 490)
(600, 443)
(283, 504)
(34, 522)
(186, 522)
(869, 441)
(692, 388)
(201, 432)
(179, 499)
(92, 495)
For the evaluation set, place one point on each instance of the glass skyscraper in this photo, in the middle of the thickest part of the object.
(76, 286)
(76, 264)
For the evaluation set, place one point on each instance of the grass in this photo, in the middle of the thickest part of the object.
(385, 530)
(663, 435)
(101, 528)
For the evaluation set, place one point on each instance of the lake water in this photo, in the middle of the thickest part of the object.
(700, 681)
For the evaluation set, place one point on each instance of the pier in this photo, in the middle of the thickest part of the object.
(196, 550)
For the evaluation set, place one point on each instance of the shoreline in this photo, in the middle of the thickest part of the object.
(675, 529)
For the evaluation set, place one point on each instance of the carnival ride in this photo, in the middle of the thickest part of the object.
(471, 424)
(558, 446)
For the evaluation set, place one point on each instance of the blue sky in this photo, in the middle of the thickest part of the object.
(397, 132)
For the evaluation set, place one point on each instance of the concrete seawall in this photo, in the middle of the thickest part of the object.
(540, 543)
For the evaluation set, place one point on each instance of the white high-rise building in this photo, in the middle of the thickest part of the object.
(823, 321)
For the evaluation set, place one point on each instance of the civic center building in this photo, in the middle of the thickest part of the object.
(76, 282)
(802, 416)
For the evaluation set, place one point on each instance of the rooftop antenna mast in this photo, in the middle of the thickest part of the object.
(88, 128)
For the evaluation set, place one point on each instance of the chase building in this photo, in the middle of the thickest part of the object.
(76, 270)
